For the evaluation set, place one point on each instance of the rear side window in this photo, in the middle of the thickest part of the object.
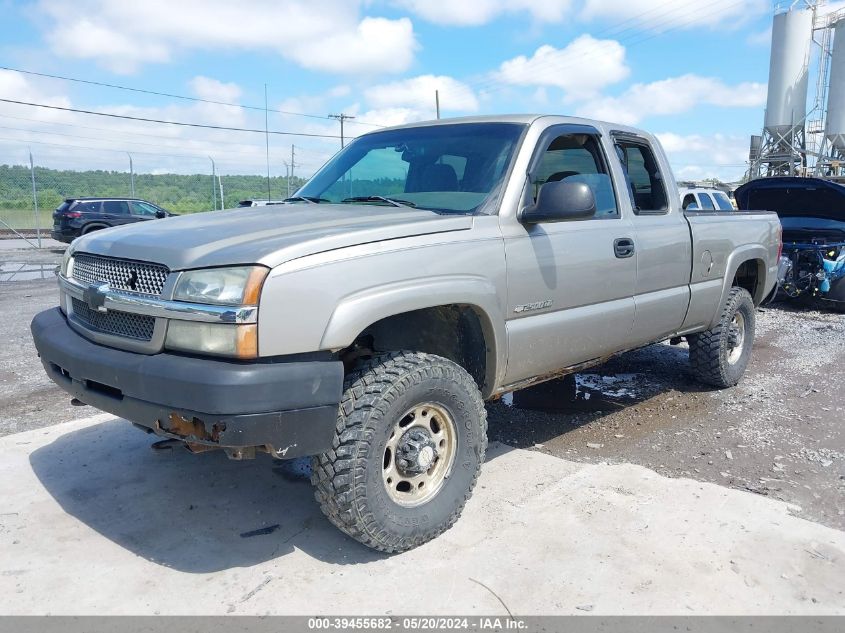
(706, 202)
(87, 207)
(578, 158)
(723, 202)
(645, 181)
(116, 207)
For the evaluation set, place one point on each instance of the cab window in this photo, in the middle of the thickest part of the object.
(723, 202)
(578, 158)
(645, 182)
(706, 202)
(689, 200)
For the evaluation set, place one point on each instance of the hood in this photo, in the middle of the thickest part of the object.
(268, 235)
(792, 197)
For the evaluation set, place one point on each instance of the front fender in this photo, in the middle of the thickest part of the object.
(357, 311)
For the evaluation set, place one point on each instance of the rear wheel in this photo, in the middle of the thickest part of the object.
(720, 355)
(410, 439)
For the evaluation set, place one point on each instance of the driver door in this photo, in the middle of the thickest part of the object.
(570, 286)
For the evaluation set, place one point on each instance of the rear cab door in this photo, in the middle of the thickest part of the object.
(662, 239)
(570, 292)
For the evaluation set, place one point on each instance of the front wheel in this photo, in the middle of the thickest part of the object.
(410, 439)
(720, 355)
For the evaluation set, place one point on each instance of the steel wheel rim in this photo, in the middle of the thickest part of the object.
(410, 489)
(736, 338)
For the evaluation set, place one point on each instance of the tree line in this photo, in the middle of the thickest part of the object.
(176, 192)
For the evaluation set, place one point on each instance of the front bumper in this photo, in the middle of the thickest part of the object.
(289, 408)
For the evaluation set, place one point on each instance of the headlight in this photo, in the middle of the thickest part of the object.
(217, 339)
(221, 286)
(67, 263)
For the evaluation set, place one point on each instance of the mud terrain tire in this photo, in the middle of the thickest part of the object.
(720, 355)
(428, 395)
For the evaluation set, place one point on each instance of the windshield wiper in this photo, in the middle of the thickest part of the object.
(308, 199)
(394, 201)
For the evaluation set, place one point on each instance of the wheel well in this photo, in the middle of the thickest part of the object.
(452, 331)
(750, 275)
(94, 226)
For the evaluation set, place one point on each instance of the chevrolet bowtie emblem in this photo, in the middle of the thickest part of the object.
(95, 297)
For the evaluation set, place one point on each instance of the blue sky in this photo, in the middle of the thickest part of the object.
(693, 72)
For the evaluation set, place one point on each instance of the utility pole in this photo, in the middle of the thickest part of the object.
(131, 176)
(267, 140)
(292, 165)
(213, 183)
(437, 102)
(287, 175)
(341, 117)
(34, 199)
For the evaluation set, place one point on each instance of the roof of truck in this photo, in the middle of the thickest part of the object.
(525, 119)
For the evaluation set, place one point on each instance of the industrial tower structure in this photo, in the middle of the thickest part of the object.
(801, 139)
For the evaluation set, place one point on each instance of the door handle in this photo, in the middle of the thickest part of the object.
(623, 247)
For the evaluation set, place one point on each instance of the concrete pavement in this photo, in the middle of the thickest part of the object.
(94, 522)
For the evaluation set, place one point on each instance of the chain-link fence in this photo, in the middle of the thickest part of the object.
(29, 192)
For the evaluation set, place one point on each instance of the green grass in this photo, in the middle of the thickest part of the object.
(24, 219)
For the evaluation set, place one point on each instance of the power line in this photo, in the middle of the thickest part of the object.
(180, 123)
(202, 157)
(91, 138)
(341, 117)
(166, 94)
(113, 131)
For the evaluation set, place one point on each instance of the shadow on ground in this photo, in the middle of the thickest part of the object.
(184, 511)
(205, 513)
(624, 381)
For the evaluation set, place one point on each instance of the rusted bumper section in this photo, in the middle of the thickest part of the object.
(287, 407)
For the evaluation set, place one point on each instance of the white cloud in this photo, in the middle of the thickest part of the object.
(760, 38)
(695, 156)
(675, 14)
(477, 12)
(672, 96)
(418, 93)
(324, 35)
(581, 69)
(68, 140)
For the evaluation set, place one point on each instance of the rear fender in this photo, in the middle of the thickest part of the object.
(738, 257)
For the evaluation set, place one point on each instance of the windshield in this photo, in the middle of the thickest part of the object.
(450, 168)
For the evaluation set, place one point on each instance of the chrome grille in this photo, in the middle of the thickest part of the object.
(121, 274)
(137, 326)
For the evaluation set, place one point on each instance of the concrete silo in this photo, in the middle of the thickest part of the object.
(783, 150)
(835, 123)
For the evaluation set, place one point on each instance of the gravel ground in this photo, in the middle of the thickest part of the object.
(779, 433)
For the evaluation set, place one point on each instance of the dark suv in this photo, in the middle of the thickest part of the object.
(78, 216)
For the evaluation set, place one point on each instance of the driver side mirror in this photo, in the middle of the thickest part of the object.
(161, 214)
(561, 201)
